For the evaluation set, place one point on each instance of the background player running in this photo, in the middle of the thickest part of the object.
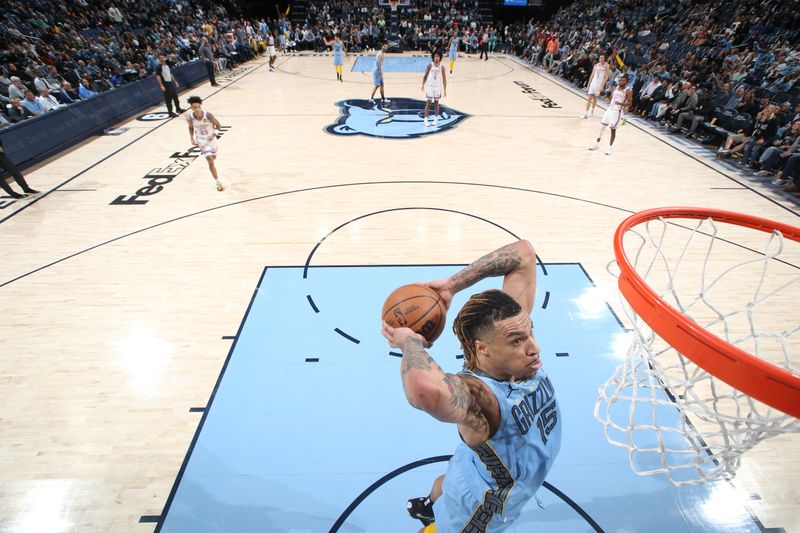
(202, 134)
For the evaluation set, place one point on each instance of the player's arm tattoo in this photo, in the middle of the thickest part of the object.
(498, 263)
(466, 401)
(415, 357)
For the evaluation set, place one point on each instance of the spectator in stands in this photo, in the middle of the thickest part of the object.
(32, 104)
(16, 89)
(17, 113)
(782, 148)
(47, 100)
(763, 134)
(85, 89)
(67, 95)
(702, 113)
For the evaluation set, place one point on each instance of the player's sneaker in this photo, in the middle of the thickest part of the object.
(426, 123)
(436, 120)
(595, 146)
(584, 115)
(372, 101)
(421, 509)
(385, 101)
(608, 152)
(219, 185)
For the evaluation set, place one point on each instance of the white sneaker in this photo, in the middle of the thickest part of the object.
(435, 121)
(608, 152)
(426, 123)
(585, 115)
(778, 181)
(595, 146)
(372, 101)
(219, 185)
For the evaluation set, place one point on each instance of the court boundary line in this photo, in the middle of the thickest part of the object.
(118, 150)
(557, 81)
(340, 185)
(207, 409)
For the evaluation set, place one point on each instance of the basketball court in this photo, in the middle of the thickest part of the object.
(179, 359)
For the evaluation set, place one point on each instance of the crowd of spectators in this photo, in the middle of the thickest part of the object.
(364, 24)
(53, 53)
(725, 73)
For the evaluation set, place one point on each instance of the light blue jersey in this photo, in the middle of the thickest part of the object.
(377, 76)
(486, 486)
(338, 47)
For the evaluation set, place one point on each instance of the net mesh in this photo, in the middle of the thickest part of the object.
(673, 417)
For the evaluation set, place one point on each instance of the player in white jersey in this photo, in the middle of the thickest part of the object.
(596, 83)
(434, 84)
(202, 134)
(271, 52)
(620, 102)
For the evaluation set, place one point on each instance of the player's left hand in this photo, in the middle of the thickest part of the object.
(397, 336)
(442, 288)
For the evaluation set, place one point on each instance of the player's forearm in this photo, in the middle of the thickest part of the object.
(428, 388)
(501, 262)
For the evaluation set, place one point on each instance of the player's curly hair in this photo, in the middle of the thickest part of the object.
(195, 100)
(477, 318)
(435, 53)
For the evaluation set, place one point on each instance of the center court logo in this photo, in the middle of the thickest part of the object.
(400, 119)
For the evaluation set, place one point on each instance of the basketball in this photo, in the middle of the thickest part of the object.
(417, 307)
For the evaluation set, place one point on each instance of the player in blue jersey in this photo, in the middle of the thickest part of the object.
(338, 50)
(453, 50)
(503, 403)
(377, 74)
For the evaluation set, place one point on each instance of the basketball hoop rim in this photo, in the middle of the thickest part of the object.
(767, 383)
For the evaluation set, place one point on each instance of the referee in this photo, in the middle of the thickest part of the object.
(168, 85)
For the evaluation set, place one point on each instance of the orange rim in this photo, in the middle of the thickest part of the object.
(767, 383)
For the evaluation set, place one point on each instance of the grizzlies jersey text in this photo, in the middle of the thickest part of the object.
(486, 486)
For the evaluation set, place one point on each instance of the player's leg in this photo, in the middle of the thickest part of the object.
(427, 109)
(596, 144)
(436, 110)
(211, 160)
(422, 508)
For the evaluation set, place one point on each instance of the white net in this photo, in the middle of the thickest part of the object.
(673, 417)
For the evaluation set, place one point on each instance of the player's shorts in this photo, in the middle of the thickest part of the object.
(433, 93)
(338, 60)
(377, 79)
(452, 55)
(595, 89)
(271, 51)
(207, 148)
(612, 117)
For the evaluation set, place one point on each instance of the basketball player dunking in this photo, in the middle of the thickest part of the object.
(621, 100)
(377, 74)
(505, 406)
(434, 83)
(202, 134)
(596, 83)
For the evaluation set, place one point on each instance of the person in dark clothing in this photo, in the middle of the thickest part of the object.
(207, 55)
(168, 84)
(7, 165)
(702, 113)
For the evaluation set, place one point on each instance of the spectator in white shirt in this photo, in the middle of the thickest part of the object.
(47, 100)
(16, 89)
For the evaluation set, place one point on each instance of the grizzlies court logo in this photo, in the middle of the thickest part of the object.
(399, 119)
